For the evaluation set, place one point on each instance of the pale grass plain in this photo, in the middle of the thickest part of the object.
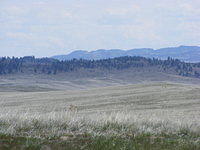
(152, 107)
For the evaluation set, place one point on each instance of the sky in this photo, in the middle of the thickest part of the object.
(52, 27)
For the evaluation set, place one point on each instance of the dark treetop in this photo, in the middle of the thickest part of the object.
(33, 65)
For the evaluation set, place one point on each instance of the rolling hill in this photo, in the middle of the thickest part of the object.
(183, 53)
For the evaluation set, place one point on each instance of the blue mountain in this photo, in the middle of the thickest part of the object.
(184, 53)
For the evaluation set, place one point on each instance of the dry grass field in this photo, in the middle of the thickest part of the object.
(148, 109)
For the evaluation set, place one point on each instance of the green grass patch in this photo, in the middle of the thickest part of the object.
(89, 142)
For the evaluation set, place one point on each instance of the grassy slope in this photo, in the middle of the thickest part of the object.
(86, 80)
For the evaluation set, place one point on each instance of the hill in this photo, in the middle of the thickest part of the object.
(86, 68)
(184, 53)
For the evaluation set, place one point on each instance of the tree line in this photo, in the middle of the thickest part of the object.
(30, 64)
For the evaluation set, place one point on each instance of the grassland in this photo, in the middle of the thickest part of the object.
(153, 115)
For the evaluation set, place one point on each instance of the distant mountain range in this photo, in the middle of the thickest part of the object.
(184, 53)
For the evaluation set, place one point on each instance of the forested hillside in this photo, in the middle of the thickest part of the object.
(50, 66)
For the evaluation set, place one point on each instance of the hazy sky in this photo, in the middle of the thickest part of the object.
(49, 27)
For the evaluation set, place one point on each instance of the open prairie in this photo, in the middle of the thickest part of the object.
(109, 110)
(172, 103)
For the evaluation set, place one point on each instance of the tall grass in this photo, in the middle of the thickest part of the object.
(99, 131)
(54, 123)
